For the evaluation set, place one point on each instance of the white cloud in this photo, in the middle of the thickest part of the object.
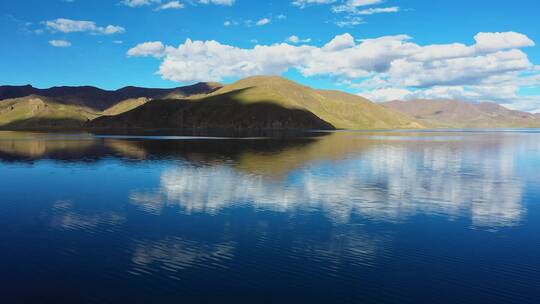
(387, 94)
(351, 8)
(378, 10)
(137, 3)
(357, 3)
(69, 26)
(304, 3)
(111, 29)
(488, 42)
(350, 21)
(494, 68)
(60, 43)
(295, 39)
(340, 42)
(252, 23)
(263, 21)
(146, 49)
(354, 6)
(73, 26)
(218, 2)
(171, 5)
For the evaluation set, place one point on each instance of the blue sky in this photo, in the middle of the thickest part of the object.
(475, 50)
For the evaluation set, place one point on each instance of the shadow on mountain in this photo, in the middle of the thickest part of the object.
(221, 112)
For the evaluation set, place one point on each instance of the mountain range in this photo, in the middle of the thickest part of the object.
(462, 114)
(253, 103)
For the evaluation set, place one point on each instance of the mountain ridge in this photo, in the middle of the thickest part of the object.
(252, 103)
(453, 113)
(262, 102)
(100, 99)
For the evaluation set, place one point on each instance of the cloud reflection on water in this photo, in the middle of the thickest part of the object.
(174, 254)
(389, 181)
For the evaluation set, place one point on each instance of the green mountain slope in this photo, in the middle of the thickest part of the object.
(261, 103)
(220, 112)
(34, 112)
(342, 110)
(125, 105)
(461, 114)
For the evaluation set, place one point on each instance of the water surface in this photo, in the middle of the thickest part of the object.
(343, 217)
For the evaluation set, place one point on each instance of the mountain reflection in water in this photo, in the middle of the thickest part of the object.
(232, 214)
(379, 175)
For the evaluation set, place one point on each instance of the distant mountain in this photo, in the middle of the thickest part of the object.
(261, 103)
(462, 114)
(100, 100)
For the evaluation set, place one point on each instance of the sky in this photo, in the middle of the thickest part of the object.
(381, 49)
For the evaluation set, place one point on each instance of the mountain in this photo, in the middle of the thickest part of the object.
(212, 113)
(125, 105)
(462, 114)
(99, 99)
(261, 102)
(342, 110)
(33, 112)
(25, 107)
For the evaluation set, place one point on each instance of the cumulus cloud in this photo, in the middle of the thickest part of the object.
(73, 26)
(379, 67)
(146, 49)
(60, 43)
(497, 41)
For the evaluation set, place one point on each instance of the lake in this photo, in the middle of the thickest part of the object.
(342, 217)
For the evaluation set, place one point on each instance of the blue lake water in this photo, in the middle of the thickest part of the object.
(343, 217)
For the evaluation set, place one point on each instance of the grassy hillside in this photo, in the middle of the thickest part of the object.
(39, 112)
(342, 110)
(461, 114)
(225, 111)
(262, 103)
(73, 107)
(125, 105)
